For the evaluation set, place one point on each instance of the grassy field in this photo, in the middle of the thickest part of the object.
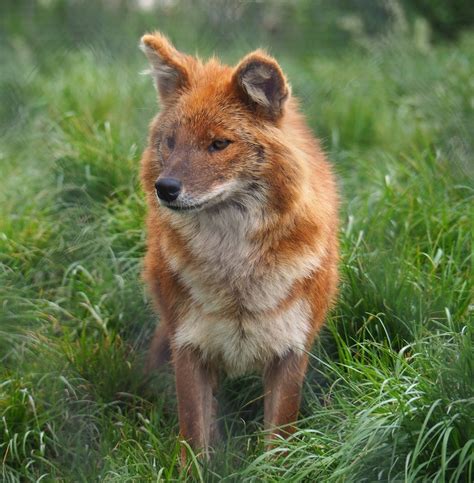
(390, 392)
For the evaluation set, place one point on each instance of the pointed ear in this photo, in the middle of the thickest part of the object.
(261, 83)
(168, 66)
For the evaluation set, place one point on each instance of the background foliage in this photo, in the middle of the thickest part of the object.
(388, 87)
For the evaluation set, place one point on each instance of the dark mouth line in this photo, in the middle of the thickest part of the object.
(210, 203)
(184, 208)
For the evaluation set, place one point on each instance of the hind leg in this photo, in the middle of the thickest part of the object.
(160, 350)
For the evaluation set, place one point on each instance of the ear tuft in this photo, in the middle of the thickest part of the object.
(262, 83)
(168, 66)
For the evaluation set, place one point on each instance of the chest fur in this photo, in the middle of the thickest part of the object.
(225, 268)
(237, 288)
(248, 344)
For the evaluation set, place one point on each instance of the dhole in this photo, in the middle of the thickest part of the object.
(242, 227)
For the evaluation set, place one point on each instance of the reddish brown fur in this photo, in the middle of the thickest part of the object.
(272, 150)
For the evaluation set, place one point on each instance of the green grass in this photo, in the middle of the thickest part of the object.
(390, 393)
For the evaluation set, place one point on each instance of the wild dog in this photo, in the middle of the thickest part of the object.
(242, 247)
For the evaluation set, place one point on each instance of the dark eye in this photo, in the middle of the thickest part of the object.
(170, 142)
(219, 145)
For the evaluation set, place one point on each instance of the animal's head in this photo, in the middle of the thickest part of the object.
(209, 143)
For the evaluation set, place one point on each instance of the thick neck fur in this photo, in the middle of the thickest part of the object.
(248, 225)
(236, 261)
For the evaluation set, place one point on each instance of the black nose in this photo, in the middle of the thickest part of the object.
(168, 189)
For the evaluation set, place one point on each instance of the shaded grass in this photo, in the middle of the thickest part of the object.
(389, 395)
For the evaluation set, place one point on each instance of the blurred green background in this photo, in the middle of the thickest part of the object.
(388, 87)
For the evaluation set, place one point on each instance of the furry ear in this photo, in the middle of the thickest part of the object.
(262, 84)
(168, 66)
